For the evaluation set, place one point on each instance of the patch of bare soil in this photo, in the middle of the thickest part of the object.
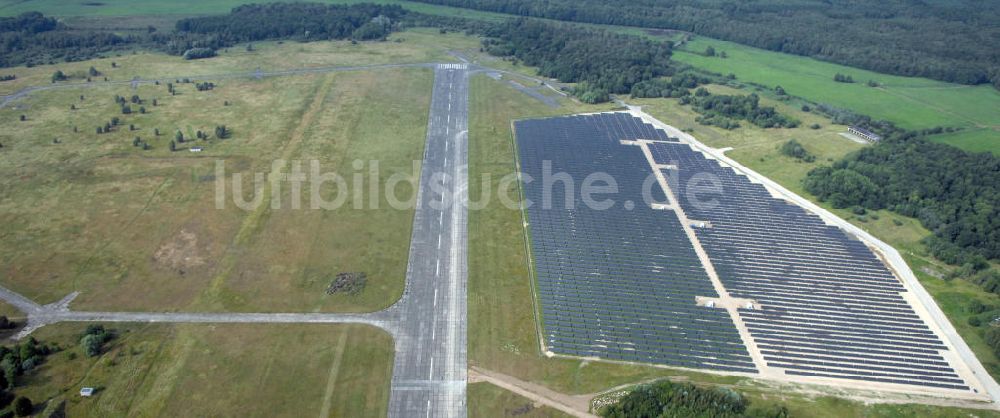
(181, 253)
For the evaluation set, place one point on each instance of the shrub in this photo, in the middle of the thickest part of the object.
(794, 149)
(199, 53)
(23, 407)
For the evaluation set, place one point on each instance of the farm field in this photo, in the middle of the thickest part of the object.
(139, 230)
(262, 370)
(972, 140)
(912, 103)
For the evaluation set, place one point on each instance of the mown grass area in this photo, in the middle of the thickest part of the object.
(140, 230)
(487, 401)
(973, 140)
(910, 102)
(418, 45)
(217, 370)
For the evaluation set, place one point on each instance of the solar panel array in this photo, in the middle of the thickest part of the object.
(830, 306)
(617, 284)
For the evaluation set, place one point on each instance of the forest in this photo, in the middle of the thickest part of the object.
(605, 62)
(676, 87)
(297, 21)
(32, 38)
(946, 41)
(954, 194)
(723, 110)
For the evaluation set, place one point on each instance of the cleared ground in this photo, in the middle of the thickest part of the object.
(183, 370)
(138, 230)
(487, 400)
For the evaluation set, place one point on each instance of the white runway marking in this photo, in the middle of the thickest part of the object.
(437, 269)
(435, 297)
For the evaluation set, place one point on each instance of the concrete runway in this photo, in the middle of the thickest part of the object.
(429, 376)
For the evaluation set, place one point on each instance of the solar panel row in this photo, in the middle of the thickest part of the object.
(618, 284)
(621, 283)
(830, 307)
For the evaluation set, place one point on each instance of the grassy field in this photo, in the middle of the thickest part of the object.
(137, 229)
(973, 140)
(414, 46)
(217, 370)
(913, 103)
(489, 401)
(910, 102)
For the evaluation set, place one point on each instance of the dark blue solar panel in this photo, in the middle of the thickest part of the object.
(620, 284)
(827, 300)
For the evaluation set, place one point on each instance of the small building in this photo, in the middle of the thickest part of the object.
(86, 392)
(864, 133)
(195, 149)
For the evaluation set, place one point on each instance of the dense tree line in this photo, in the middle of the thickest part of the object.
(953, 193)
(667, 399)
(948, 41)
(606, 62)
(303, 21)
(676, 87)
(722, 110)
(32, 38)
